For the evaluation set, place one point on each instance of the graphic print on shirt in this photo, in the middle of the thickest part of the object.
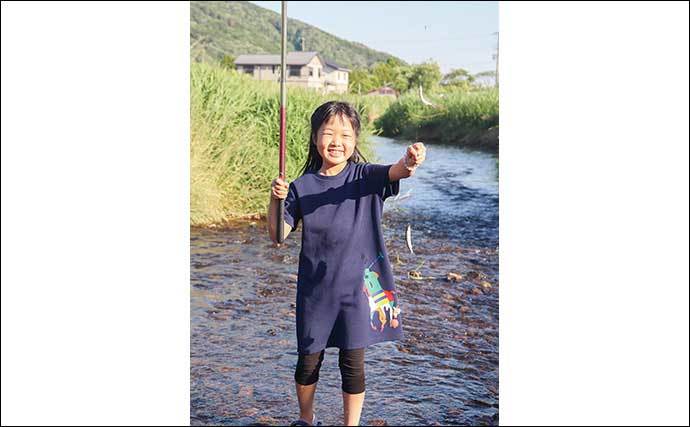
(382, 303)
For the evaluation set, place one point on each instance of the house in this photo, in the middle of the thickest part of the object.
(304, 69)
(336, 77)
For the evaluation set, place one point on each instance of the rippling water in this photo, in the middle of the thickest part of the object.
(444, 372)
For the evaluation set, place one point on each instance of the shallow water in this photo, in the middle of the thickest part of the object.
(444, 372)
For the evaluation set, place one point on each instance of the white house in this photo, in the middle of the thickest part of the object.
(304, 69)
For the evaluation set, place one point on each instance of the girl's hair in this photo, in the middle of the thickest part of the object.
(319, 117)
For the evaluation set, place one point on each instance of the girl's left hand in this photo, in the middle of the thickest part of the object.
(415, 155)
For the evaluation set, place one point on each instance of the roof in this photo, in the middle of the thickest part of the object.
(293, 58)
(335, 65)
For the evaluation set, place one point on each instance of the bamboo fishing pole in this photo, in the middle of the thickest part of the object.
(283, 119)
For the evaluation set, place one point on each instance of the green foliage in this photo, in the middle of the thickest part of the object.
(427, 75)
(461, 79)
(361, 81)
(459, 75)
(485, 74)
(395, 74)
(390, 74)
(235, 136)
(395, 62)
(236, 28)
(228, 62)
(458, 115)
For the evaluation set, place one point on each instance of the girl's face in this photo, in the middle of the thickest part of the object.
(335, 141)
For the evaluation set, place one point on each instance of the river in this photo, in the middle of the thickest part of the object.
(243, 287)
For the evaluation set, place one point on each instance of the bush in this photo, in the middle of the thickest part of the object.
(457, 115)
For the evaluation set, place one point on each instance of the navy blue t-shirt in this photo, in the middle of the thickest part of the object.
(346, 297)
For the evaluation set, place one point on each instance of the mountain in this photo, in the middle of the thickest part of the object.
(233, 28)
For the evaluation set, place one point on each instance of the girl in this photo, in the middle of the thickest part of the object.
(345, 292)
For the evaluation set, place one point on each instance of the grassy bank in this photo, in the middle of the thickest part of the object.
(468, 119)
(235, 137)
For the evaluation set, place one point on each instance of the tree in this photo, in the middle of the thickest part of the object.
(360, 80)
(459, 74)
(395, 62)
(458, 79)
(427, 75)
(483, 74)
(395, 74)
(228, 62)
(390, 73)
(297, 40)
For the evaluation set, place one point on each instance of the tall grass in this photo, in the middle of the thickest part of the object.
(235, 138)
(459, 117)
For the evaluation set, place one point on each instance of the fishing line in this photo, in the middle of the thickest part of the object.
(376, 259)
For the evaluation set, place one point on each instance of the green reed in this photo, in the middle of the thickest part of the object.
(235, 138)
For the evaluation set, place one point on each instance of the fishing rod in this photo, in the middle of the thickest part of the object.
(283, 118)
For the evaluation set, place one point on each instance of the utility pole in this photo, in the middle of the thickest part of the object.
(496, 59)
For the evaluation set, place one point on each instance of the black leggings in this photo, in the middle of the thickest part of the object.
(351, 364)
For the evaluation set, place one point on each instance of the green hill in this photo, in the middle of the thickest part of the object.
(238, 27)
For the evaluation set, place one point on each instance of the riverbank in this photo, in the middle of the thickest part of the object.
(463, 119)
(235, 132)
(234, 140)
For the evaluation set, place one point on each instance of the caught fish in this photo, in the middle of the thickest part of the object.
(408, 238)
(403, 197)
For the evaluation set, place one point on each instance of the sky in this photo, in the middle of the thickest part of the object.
(453, 34)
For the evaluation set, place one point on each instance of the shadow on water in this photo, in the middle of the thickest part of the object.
(243, 288)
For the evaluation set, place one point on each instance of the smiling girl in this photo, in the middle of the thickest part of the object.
(346, 297)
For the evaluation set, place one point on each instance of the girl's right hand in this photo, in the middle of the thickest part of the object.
(279, 189)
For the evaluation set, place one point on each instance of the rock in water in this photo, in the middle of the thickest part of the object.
(416, 275)
(454, 277)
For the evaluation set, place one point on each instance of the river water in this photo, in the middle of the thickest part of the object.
(445, 372)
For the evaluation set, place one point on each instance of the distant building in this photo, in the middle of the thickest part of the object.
(384, 91)
(336, 77)
(304, 69)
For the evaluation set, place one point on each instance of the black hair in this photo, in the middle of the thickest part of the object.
(319, 117)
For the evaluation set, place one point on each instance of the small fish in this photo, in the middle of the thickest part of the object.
(408, 238)
(403, 197)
